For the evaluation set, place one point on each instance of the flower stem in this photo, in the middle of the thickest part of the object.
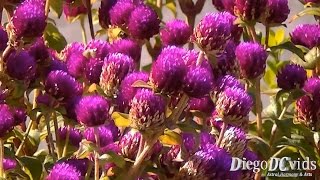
(191, 19)
(267, 36)
(96, 154)
(88, 173)
(88, 5)
(253, 33)
(58, 141)
(159, 4)
(47, 8)
(50, 139)
(1, 158)
(223, 130)
(200, 58)
(258, 105)
(274, 129)
(179, 108)
(4, 56)
(83, 31)
(65, 147)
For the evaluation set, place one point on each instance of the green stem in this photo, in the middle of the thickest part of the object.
(87, 177)
(1, 158)
(83, 31)
(58, 141)
(223, 130)
(47, 8)
(179, 108)
(274, 129)
(253, 33)
(50, 139)
(96, 156)
(267, 36)
(200, 58)
(258, 106)
(4, 56)
(191, 19)
(65, 147)
(88, 5)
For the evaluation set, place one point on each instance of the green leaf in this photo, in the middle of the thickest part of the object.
(260, 145)
(315, 11)
(56, 6)
(171, 5)
(170, 138)
(311, 59)
(54, 38)
(31, 166)
(114, 158)
(121, 119)
(290, 47)
(269, 78)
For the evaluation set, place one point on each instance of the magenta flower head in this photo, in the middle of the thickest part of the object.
(147, 111)
(249, 10)
(93, 70)
(29, 19)
(115, 68)
(252, 59)
(312, 86)
(75, 135)
(19, 115)
(9, 164)
(203, 104)
(213, 31)
(21, 66)
(224, 5)
(74, 59)
(3, 39)
(127, 92)
(169, 161)
(143, 22)
(225, 82)
(104, 12)
(198, 81)
(226, 61)
(64, 171)
(128, 47)
(233, 105)
(62, 86)
(120, 13)
(250, 156)
(307, 35)
(211, 163)
(291, 76)
(98, 48)
(176, 32)
(277, 12)
(234, 142)
(107, 134)
(72, 11)
(307, 112)
(7, 120)
(129, 144)
(168, 71)
(93, 110)
(38, 50)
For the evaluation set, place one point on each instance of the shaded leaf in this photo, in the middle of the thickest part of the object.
(54, 38)
(31, 166)
(114, 158)
(56, 6)
(290, 47)
(315, 11)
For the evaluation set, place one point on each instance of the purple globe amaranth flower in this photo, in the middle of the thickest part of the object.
(75, 47)
(213, 31)
(19, 115)
(129, 144)
(127, 92)
(251, 59)
(107, 134)
(115, 68)
(277, 12)
(80, 164)
(233, 106)
(75, 135)
(250, 156)
(104, 12)
(312, 86)
(168, 71)
(128, 47)
(62, 86)
(198, 81)
(70, 107)
(307, 112)
(307, 35)
(92, 110)
(38, 50)
(211, 163)
(176, 32)
(7, 120)
(55, 64)
(64, 171)
(203, 104)
(3, 39)
(74, 59)
(9, 164)
(234, 142)
(224, 5)
(250, 10)
(170, 161)
(227, 81)
(236, 31)
(143, 22)
(291, 76)
(93, 70)
(206, 140)
(226, 61)
(98, 48)
(120, 13)
(72, 11)
(189, 142)
(29, 19)
(21, 66)
(147, 111)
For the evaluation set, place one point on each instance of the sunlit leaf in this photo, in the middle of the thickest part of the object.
(170, 138)
(121, 119)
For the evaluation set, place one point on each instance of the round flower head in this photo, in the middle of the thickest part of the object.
(307, 35)
(213, 31)
(19, 115)
(277, 12)
(21, 66)
(3, 39)
(147, 110)
(64, 171)
(7, 120)
(308, 112)
(189, 142)
(251, 59)
(72, 11)
(312, 86)
(29, 19)
(92, 110)
(80, 164)
(62, 86)
(203, 104)
(127, 92)
(224, 5)
(128, 47)
(233, 105)
(234, 141)
(143, 22)
(74, 59)
(75, 135)
(55, 64)
(129, 144)
(211, 163)
(107, 134)
(226, 61)
(169, 161)
(168, 71)
(206, 140)
(250, 156)
(70, 107)
(115, 68)
(176, 32)
(9, 164)
(98, 48)
(227, 81)
(38, 50)
(120, 13)
(198, 81)
(93, 70)
(104, 12)
(249, 10)
(291, 76)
